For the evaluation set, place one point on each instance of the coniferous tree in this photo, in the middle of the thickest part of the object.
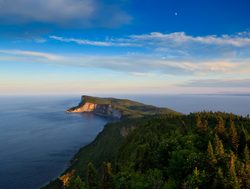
(92, 178)
(219, 148)
(205, 126)
(200, 126)
(242, 140)
(216, 143)
(246, 154)
(233, 136)
(195, 179)
(107, 177)
(220, 126)
(232, 164)
(246, 176)
(198, 122)
(210, 152)
(235, 184)
(219, 179)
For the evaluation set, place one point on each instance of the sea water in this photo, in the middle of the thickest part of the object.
(38, 138)
(237, 104)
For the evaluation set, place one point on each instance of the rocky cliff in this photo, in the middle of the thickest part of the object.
(97, 108)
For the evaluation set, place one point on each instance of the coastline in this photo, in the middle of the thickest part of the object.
(118, 125)
(74, 158)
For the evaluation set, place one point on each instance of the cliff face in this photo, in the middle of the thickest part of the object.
(86, 107)
(99, 109)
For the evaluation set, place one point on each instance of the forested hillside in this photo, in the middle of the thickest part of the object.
(200, 150)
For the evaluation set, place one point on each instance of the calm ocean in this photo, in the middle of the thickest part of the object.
(38, 138)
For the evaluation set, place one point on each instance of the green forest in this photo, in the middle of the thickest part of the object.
(202, 150)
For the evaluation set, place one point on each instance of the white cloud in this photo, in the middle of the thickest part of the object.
(46, 10)
(77, 13)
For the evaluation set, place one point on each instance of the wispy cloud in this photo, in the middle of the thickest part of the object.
(176, 45)
(30, 54)
(89, 42)
(162, 40)
(139, 64)
(238, 40)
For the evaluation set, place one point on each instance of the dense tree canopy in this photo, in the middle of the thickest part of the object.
(200, 150)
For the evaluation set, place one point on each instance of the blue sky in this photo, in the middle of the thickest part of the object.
(124, 46)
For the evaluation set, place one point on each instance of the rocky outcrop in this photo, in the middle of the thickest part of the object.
(86, 107)
(106, 110)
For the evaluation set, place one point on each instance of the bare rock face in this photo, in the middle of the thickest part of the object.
(86, 107)
(99, 109)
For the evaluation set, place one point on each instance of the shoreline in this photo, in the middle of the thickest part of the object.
(69, 163)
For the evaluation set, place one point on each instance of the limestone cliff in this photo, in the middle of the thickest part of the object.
(86, 107)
